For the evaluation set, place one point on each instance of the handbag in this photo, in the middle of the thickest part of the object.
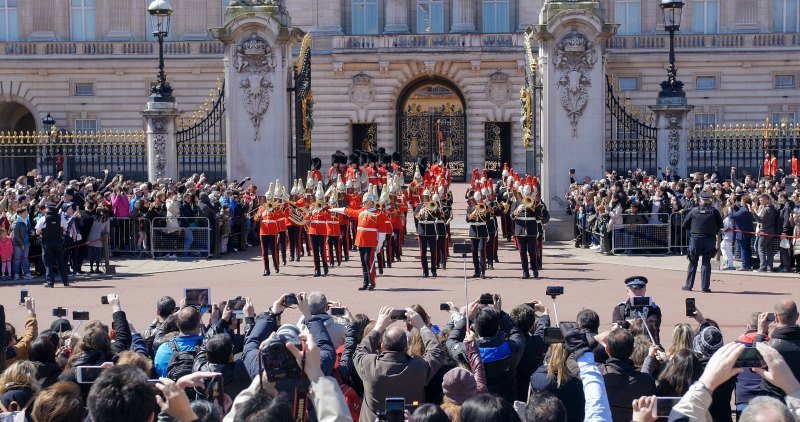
(785, 244)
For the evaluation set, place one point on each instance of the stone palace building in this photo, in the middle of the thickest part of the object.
(405, 75)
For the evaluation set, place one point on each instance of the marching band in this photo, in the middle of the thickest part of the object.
(362, 203)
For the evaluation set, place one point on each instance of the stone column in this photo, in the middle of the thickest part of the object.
(329, 17)
(463, 16)
(396, 17)
(672, 122)
(162, 147)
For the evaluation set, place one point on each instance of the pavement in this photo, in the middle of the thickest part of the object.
(590, 281)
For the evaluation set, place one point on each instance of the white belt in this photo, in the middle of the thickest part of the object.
(526, 218)
(481, 223)
(318, 222)
(269, 221)
(367, 229)
(427, 222)
(439, 221)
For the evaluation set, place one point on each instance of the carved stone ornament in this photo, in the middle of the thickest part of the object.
(159, 126)
(574, 58)
(160, 149)
(362, 91)
(255, 59)
(253, 3)
(673, 139)
(498, 90)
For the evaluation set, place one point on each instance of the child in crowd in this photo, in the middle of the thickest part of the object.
(100, 228)
(727, 241)
(6, 253)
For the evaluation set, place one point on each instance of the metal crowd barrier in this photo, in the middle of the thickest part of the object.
(645, 236)
(167, 240)
(737, 252)
(123, 233)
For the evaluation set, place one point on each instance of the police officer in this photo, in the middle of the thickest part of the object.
(704, 222)
(626, 311)
(51, 228)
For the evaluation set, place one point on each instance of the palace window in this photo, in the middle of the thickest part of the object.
(784, 81)
(82, 20)
(705, 17)
(365, 17)
(9, 21)
(85, 126)
(430, 17)
(705, 121)
(83, 89)
(495, 16)
(785, 15)
(706, 82)
(628, 16)
(781, 118)
(628, 83)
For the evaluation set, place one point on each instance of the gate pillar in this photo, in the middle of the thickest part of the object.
(258, 38)
(162, 148)
(571, 40)
(672, 122)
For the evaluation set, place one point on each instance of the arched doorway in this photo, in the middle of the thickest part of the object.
(15, 117)
(431, 123)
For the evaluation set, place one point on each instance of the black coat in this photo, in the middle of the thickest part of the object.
(786, 340)
(623, 385)
(532, 357)
(570, 393)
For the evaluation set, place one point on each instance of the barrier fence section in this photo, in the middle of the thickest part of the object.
(181, 235)
(123, 236)
(679, 238)
(642, 236)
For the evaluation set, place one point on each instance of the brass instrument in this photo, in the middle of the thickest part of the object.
(506, 207)
(527, 202)
(481, 208)
(297, 215)
(318, 205)
(431, 206)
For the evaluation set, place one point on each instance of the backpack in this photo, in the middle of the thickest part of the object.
(181, 362)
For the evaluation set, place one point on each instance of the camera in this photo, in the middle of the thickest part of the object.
(394, 410)
(337, 310)
(80, 315)
(750, 358)
(398, 314)
(664, 406)
(640, 302)
(276, 360)
(104, 300)
(236, 304)
(291, 299)
(486, 299)
(462, 248)
(59, 312)
(571, 171)
(771, 317)
(22, 295)
(554, 291)
(88, 374)
(553, 335)
(690, 306)
(444, 306)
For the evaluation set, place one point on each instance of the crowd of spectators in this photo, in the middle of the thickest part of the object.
(483, 363)
(123, 212)
(766, 210)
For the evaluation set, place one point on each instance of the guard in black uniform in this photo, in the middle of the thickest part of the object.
(442, 231)
(477, 214)
(528, 216)
(491, 224)
(427, 214)
(704, 223)
(637, 287)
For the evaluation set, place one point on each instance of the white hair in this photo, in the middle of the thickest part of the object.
(764, 408)
(316, 302)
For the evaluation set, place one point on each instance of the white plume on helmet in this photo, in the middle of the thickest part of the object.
(319, 195)
(268, 193)
(477, 196)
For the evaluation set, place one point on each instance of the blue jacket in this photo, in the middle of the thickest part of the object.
(742, 220)
(164, 352)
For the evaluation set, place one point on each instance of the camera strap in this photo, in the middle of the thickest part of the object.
(301, 392)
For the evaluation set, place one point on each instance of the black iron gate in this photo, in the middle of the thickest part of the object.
(433, 134)
(630, 137)
(497, 147)
(304, 110)
(201, 139)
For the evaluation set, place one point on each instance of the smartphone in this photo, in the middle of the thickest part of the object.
(215, 392)
(395, 408)
(59, 312)
(771, 317)
(200, 297)
(555, 290)
(236, 305)
(444, 306)
(750, 358)
(690, 306)
(436, 330)
(291, 299)
(398, 314)
(104, 300)
(486, 299)
(640, 301)
(88, 374)
(553, 335)
(337, 310)
(664, 406)
(571, 171)
(22, 295)
(80, 315)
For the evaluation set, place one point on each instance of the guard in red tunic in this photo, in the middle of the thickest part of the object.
(318, 217)
(368, 236)
(334, 227)
(267, 219)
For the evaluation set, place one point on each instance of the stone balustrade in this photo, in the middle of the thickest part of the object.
(703, 41)
(356, 43)
(126, 48)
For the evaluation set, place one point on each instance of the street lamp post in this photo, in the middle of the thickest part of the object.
(671, 10)
(160, 14)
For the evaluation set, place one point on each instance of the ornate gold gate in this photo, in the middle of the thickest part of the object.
(433, 132)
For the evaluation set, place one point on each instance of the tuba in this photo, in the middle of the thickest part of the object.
(527, 202)
(481, 208)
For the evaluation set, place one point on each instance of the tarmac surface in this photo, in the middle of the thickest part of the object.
(589, 279)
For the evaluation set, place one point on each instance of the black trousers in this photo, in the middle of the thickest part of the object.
(269, 247)
(282, 245)
(396, 244)
(71, 254)
(427, 243)
(441, 251)
(367, 255)
(528, 254)
(344, 240)
(479, 255)
(318, 250)
(705, 248)
(334, 249)
(54, 258)
(294, 241)
(490, 245)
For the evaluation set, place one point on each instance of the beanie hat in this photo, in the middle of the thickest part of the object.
(458, 385)
(707, 341)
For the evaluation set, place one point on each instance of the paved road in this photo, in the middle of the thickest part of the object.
(587, 284)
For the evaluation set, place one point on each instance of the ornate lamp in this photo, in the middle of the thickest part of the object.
(160, 16)
(671, 10)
